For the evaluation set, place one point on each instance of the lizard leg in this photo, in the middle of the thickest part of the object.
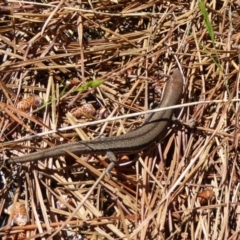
(113, 160)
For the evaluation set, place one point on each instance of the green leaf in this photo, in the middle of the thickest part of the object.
(90, 84)
(207, 21)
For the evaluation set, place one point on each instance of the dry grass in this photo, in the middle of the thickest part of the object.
(185, 188)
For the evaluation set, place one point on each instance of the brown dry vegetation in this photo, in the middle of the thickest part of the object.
(184, 188)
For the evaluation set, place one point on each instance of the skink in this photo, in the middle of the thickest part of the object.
(154, 129)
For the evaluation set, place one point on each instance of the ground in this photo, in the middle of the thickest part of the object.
(68, 63)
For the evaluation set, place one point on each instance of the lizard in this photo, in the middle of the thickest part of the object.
(152, 130)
